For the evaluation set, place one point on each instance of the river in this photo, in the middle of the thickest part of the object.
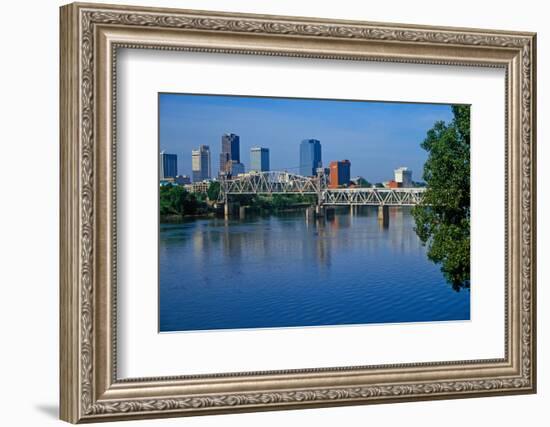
(283, 270)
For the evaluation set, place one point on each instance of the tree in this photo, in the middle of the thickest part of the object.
(443, 218)
(171, 199)
(363, 183)
(213, 191)
(175, 200)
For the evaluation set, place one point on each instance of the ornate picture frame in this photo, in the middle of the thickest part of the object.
(90, 37)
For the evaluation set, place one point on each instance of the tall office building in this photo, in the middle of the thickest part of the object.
(259, 159)
(403, 177)
(168, 165)
(200, 163)
(340, 173)
(310, 157)
(230, 151)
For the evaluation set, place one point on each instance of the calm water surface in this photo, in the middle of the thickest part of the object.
(281, 270)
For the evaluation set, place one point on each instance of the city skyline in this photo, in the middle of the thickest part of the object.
(377, 137)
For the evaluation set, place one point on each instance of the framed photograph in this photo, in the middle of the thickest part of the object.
(266, 212)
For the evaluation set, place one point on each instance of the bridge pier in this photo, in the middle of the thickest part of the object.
(226, 209)
(310, 213)
(278, 182)
(315, 212)
(230, 208)
(319, 212)
(384, 216)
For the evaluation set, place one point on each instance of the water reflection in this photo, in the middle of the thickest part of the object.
(288, 270)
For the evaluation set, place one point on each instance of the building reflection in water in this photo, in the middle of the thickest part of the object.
(261, 239)
(286, 270)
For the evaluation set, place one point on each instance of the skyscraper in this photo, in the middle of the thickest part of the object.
(168, 165)
(259, 159)
(200, 166)
(340, 173)
(230, 151)
(310, 157)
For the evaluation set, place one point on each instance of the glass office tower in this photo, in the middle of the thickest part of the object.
(310, 157)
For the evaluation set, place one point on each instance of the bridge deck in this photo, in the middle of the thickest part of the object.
(373, 196)
(268, 183)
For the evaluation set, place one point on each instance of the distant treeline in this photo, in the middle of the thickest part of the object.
(175, 200)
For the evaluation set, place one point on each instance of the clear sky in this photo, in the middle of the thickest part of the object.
(376, 137)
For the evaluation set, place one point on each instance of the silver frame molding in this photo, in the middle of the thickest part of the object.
(90, 37)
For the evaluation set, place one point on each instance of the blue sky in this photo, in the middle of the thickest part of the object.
(376, 137)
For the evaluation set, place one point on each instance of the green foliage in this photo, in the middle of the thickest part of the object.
(213, 191)
(443, 218)
(201, 198)
(275, 202)
(261, 203)
(363, 183)
(175, 200)
(286, 201)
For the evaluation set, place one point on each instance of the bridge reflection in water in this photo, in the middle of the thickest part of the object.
(282, 270)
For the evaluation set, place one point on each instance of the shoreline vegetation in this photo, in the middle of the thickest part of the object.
(177, 203)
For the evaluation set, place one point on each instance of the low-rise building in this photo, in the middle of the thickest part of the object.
(183, 179)
(199, 187)
(167, 181)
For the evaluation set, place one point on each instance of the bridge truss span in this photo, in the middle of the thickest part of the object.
(288, 183)
(373, 196)
(269, 183)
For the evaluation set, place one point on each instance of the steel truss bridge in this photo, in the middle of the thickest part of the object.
(287, 183)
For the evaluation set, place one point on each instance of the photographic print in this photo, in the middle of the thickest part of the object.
(289, 212)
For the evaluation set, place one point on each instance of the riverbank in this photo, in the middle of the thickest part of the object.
(176, 203)
(218, 213)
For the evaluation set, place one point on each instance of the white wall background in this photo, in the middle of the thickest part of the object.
(29, 171)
